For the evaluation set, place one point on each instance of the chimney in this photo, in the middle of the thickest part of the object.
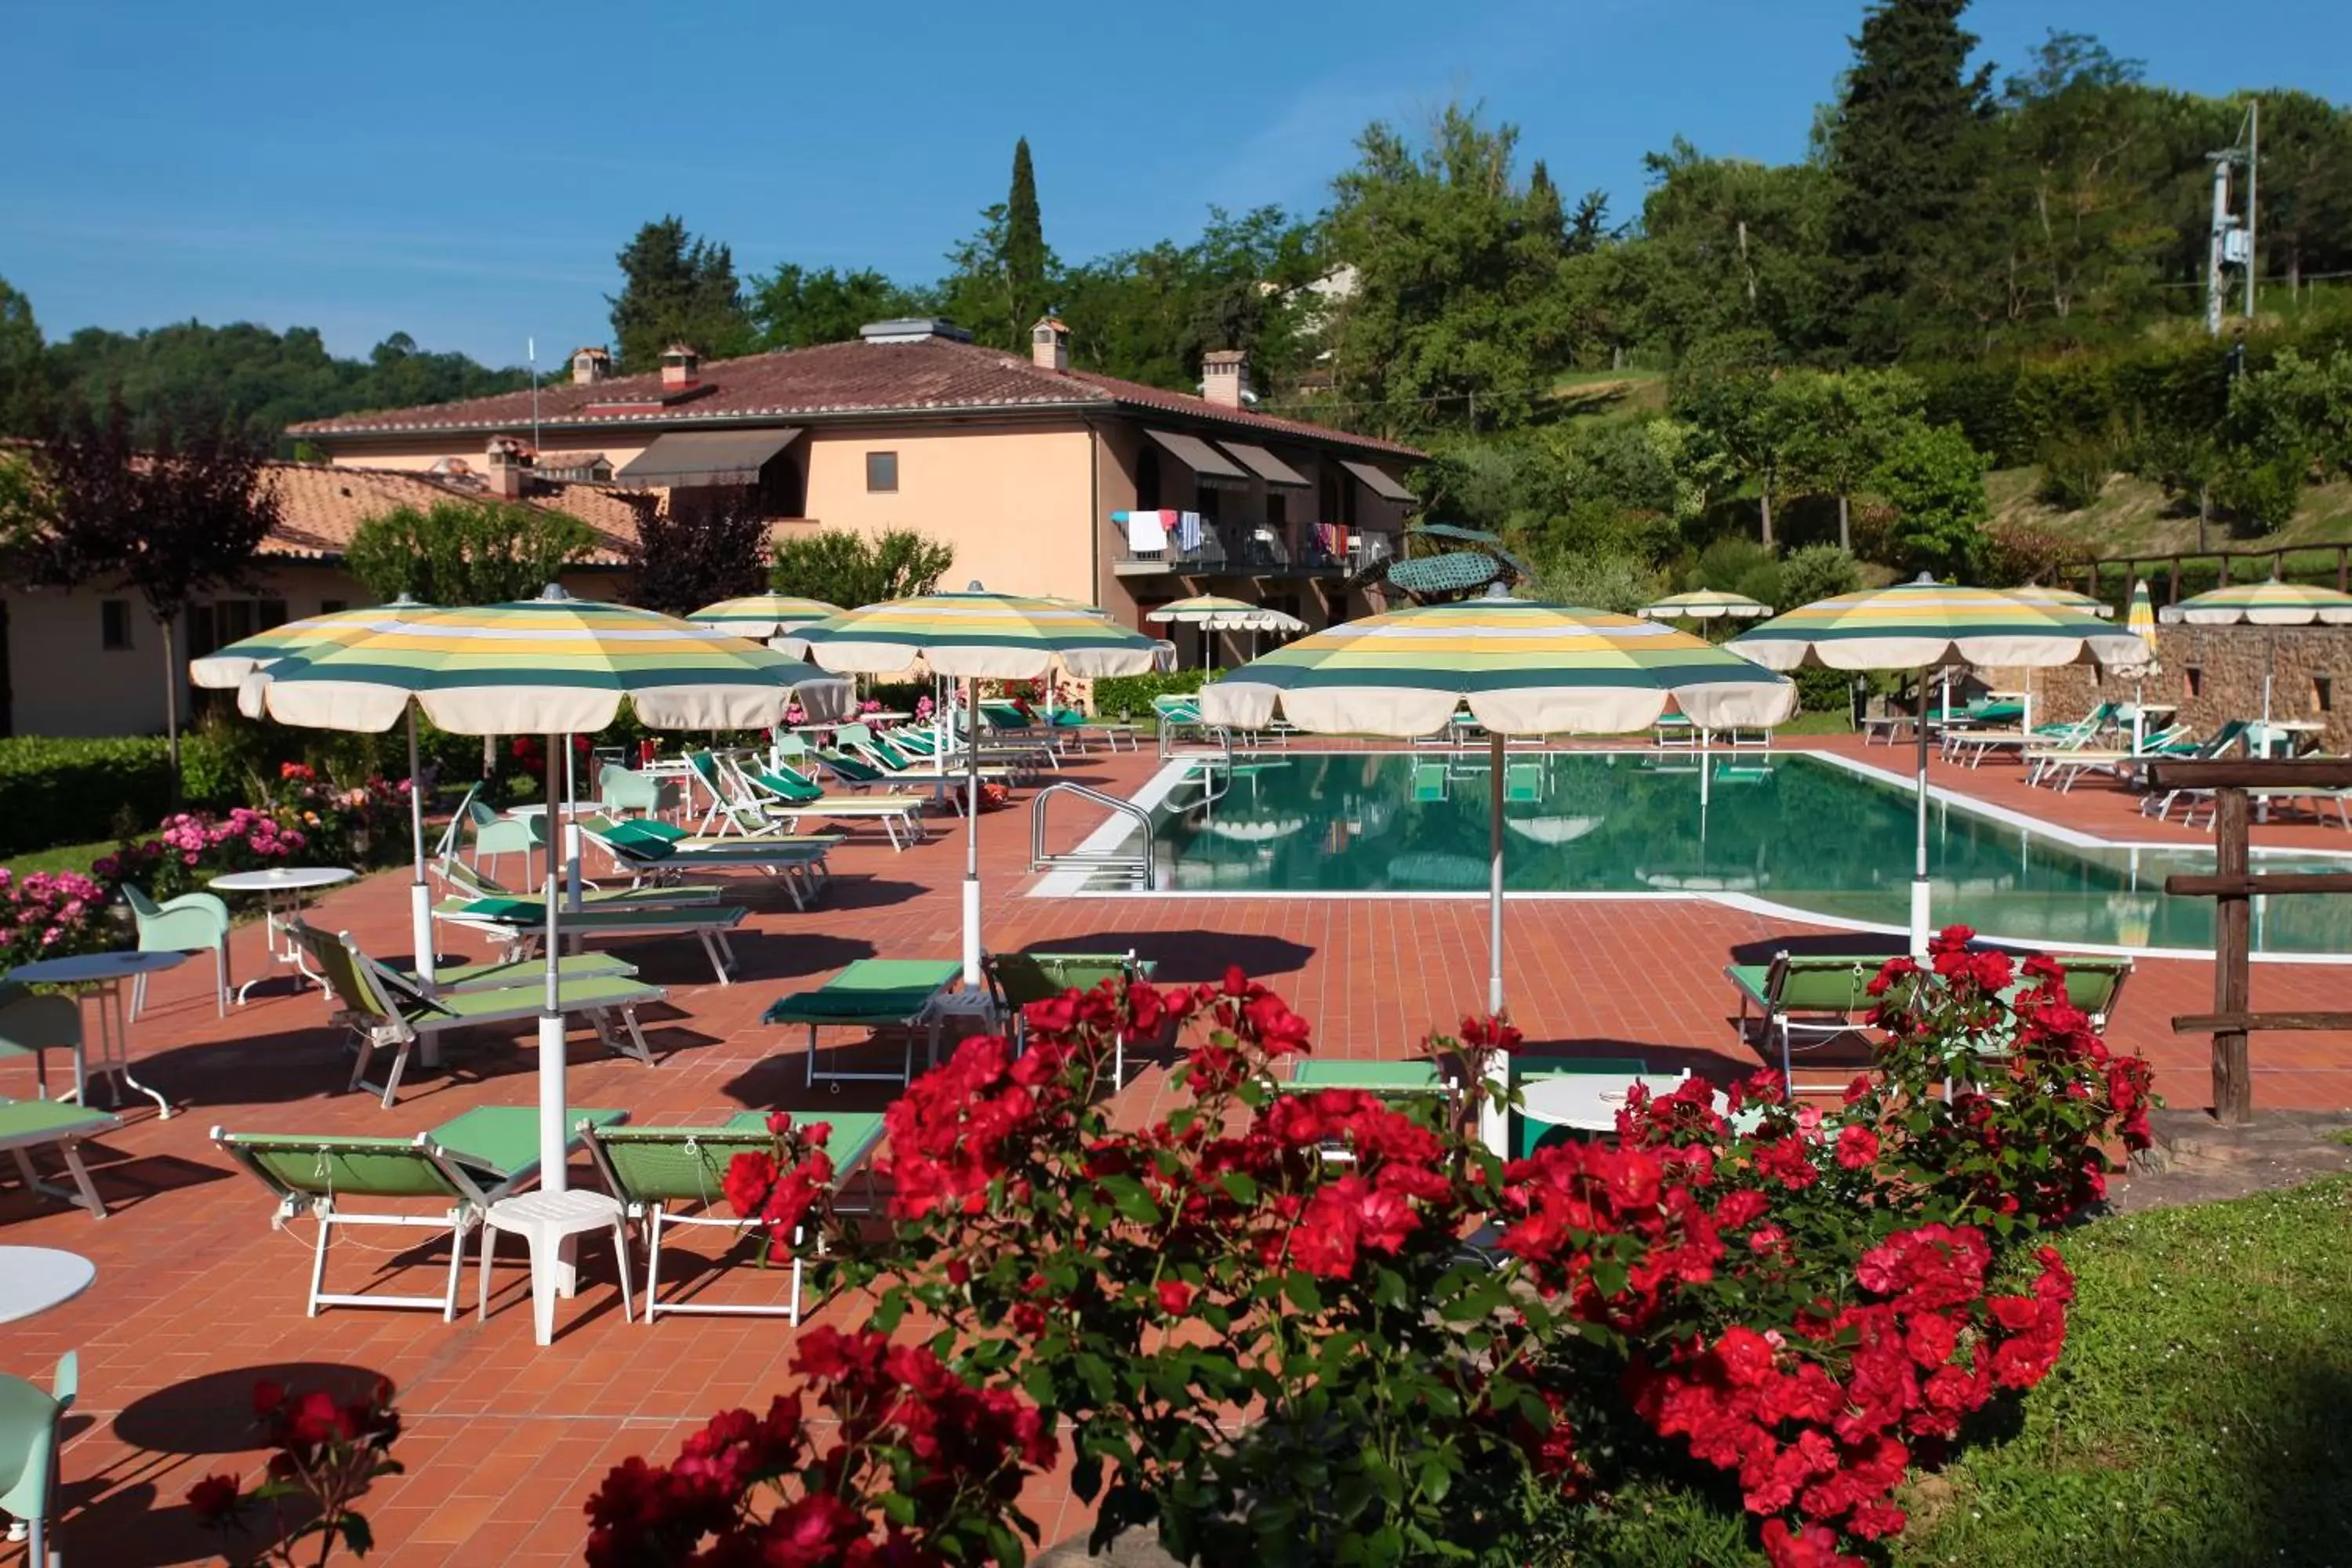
(589, 365)
(680, 366)
(1049, 343)
(508, 461)
(1225, 377)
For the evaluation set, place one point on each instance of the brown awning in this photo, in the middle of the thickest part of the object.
(1266, 465)
(707, 457)
(1209, 465)
(1379, 483)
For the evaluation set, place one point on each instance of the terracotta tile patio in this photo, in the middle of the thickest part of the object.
(197, 1295)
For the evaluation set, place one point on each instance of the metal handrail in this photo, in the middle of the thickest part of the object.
(1146, 865)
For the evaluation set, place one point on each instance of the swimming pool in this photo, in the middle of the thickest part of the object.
(1798, 832)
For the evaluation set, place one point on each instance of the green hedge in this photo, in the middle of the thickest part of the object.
(57, 790)
(1133, 693)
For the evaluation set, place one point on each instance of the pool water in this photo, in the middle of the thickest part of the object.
(1795, 831)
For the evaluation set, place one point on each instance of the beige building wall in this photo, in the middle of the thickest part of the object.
(2211, 675)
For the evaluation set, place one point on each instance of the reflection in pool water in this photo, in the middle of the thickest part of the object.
(1798, 832)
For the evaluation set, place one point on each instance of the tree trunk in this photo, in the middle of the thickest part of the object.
(1767, 497)
(171, 704)
(1845, 525)
(2204, 512)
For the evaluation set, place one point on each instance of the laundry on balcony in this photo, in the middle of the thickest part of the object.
(1146, 530)
(1188, 530)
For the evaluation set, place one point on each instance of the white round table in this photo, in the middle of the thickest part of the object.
(35, 1279)
(106, 971)
(1590, 1102)
(283, 889)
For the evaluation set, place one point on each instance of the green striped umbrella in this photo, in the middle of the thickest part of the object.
(1923, 625)
(555, 666)
(1220, 614)
(235, 663)
(978, 636)
(1523, 668)
(2268, 603)
(766, 617)
(2139, 619)
(1704, 604)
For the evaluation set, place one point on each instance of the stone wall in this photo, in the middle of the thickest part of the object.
(2215, 674)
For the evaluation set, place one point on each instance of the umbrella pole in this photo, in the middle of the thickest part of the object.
(971, 834)
(551, 1088)
(1493, 1123)
(1919, 902)
(570, 833)
(420, 900)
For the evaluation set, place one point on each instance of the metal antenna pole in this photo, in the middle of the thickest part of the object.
(2216, 244)
(530, 352)
(2253, 178)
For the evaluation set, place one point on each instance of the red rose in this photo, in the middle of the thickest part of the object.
(1857, 1147)
(268, 1396)
(1174, 1297)
(213, 1499)
(1744, 1355)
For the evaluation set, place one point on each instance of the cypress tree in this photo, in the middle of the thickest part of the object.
(1025, 257)
(1900, 156)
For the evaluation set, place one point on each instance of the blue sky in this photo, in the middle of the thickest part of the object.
(466, 173)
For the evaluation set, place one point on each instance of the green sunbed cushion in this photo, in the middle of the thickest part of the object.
(1379, 1078)
(21, 1119)
(496, 973)
(522, 1000)
(642, 828)
(872, 990)
(505, 1138)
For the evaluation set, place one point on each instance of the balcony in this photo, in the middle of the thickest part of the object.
(1258, 550)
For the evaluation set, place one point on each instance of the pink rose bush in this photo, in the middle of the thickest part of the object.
(1321, 1326)
(51, 914)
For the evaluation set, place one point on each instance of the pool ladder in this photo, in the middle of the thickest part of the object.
(1140, 869)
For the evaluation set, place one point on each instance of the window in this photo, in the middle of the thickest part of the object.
(1277, 509)
(2323, 694)
(114, 625)
(333, 606)
(2196, 682)
(881, 471)
(1147, 478)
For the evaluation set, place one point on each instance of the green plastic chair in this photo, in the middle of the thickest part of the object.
(193, 922)
(29, 1441)
(654, 1171)
(467, 1163)
(496, 833)
(33, 1025)
(1017, 979)
(621, 789)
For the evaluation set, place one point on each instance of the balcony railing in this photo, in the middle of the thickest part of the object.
(1258, 549)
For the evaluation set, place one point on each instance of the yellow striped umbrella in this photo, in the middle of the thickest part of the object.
(1704, 604)
(555, 666)
(769, 617)
(2046, 593)
(978, 636)
(1925, 625)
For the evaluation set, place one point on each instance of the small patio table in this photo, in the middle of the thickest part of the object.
(35, 1279)
(1588, 1102)
(284, 890)
(107, 971)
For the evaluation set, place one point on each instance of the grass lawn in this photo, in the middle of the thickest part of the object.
(2201, 1416)
(61, 858)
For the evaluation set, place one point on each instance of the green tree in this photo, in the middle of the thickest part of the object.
(676, 288)
(23, 373)
(1815, 573)
(1934, 481)
(693, 554)
(1840, 427)
(465, 551)
(1727, 246)
(2306, 186)
(849, 568)
(1727, 390)
(1026, 259)
(1150, 315)
(1457, 317)
(182, 519)
(1900, 144)
(792, 307)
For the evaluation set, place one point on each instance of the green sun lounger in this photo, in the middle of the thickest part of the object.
(382, 1009)
(464, 882)
(1017, 979)
(877, 993)
(655, 1170)
(653, 854)
(30, 1124)
(520, 925)
(1389, 1080)
(464, 1165)
(789, 799)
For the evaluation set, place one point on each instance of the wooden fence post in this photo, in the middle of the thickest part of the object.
(2233, 1086)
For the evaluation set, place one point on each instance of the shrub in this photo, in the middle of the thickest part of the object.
(1276, 1356)
(2074, 472)
(1817, 571)
(2021, 552)
(1825, 690)
(51, 914)
(1619, 583)
(2261, 494)
(1935, 479)
(56, 790)
(1132, 694)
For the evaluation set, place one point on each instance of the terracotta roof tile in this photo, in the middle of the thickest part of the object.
(321, 507)
(934, 374)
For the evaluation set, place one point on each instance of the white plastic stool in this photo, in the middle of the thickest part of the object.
(551, 1224)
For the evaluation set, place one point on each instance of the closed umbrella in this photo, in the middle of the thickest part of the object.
(1922, 625)
(1523, 668)
(978, 636)
(555, 666)
(233, 665)
(2268, 603)
(1705, 604)
(2139, 619)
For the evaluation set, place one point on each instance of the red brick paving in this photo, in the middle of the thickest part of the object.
(196, 1294)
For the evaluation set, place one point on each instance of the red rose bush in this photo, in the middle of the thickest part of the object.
(1306, 1327)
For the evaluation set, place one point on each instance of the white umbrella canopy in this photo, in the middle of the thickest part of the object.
(978, 636)
(1220, 614)
(553, 665)
(1705, 604)
(1926, 625)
